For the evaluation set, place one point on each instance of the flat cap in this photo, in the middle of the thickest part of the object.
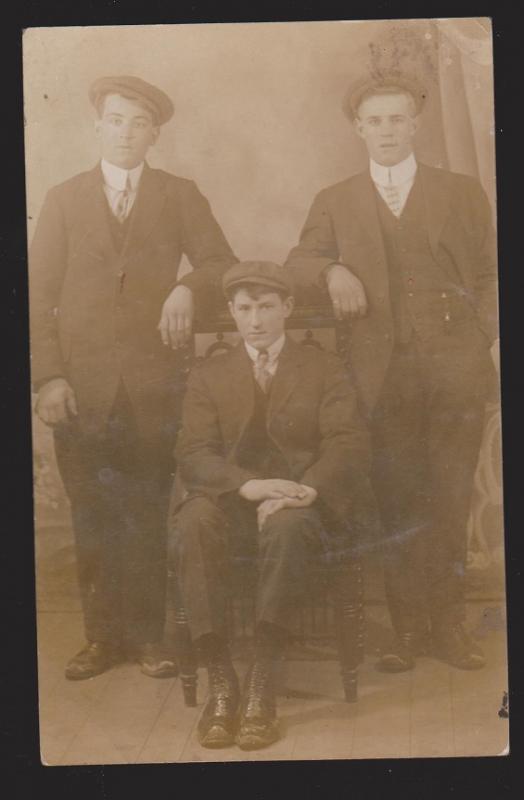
(257, 273)
(134, 88)
(392, 79)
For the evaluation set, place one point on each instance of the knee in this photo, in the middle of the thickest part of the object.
(195, 524)
(289, 528)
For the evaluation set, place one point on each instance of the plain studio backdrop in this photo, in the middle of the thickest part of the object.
(258, 122)
(258, 125)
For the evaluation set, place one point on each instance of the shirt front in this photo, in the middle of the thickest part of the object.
(273, 352)
(115, 182)
(400, 176)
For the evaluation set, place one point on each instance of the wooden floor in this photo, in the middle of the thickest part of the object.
(124, 717)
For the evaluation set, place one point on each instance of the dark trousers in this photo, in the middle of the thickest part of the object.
(426, 433)
(118, 487)
(211, 541)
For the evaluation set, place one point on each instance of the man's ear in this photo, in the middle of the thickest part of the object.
(415, 122)
(357, 124)
(230, 307)
(289, 305)
(98, 128)
(155, 133)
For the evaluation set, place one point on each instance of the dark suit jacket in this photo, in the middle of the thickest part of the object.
(312, 419)
(95, 311)
(343, 226)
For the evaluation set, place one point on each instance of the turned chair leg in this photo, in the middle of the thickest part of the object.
(186, 657)
(349, 616)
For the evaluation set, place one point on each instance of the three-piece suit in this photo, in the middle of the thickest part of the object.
(420, 361)
(307, 429)
(97, 287)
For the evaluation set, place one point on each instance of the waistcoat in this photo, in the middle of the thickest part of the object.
(420, 285)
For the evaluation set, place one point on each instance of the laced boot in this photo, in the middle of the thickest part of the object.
(402, 654)
(217, 725)
(452, 644)
(258, 725)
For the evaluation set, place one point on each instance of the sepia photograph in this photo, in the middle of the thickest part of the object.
(265, 391)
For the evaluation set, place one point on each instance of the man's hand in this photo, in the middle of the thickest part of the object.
(56, 402)
(346, 292)
(269, 507)
(271, 489)
(176, 319)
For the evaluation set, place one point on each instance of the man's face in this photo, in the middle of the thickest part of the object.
(126, 131)
(261, 319)
(387, 127)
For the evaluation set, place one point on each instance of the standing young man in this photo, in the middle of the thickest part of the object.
(106, 310)
(408, 253)
(274, 457)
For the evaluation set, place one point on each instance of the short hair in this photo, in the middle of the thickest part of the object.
(100, 102)
(379, 91)
(385, 83)
(255, 290)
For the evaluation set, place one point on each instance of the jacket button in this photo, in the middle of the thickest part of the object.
(387, 337)
(410, 294)
(443, 295)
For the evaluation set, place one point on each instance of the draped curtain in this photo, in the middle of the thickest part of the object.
(466, 90)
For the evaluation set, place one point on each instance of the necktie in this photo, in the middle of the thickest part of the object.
(122, 203)
(392, 197)
(262, 374)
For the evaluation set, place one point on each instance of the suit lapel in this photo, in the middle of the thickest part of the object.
(286, 377)
(96, 235)
(364, 207)
(436, 203)
(361, 214)
(240, 387)
(150, 201)
(435, 191)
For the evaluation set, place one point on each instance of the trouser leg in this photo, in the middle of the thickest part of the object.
(118, 487)
(144, 568)
(287, 545)
(400, 480)
(427, 435)
(200, 548)
(456, 405)
(97, 532)
(207, 538)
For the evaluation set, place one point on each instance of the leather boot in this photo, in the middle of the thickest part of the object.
(258, 725)
(93, 659)
(402, 654)
(452, 644)
(217, 725)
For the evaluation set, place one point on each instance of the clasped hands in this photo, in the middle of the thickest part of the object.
(274, 494)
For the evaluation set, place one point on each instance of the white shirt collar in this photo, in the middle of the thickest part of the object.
(393, 176)
(116, 177)
(273, 351)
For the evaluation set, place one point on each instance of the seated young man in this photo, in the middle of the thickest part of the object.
(271, 453)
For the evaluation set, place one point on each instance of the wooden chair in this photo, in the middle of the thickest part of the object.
(345, 575)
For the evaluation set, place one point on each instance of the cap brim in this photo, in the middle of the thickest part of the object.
(278, 287)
